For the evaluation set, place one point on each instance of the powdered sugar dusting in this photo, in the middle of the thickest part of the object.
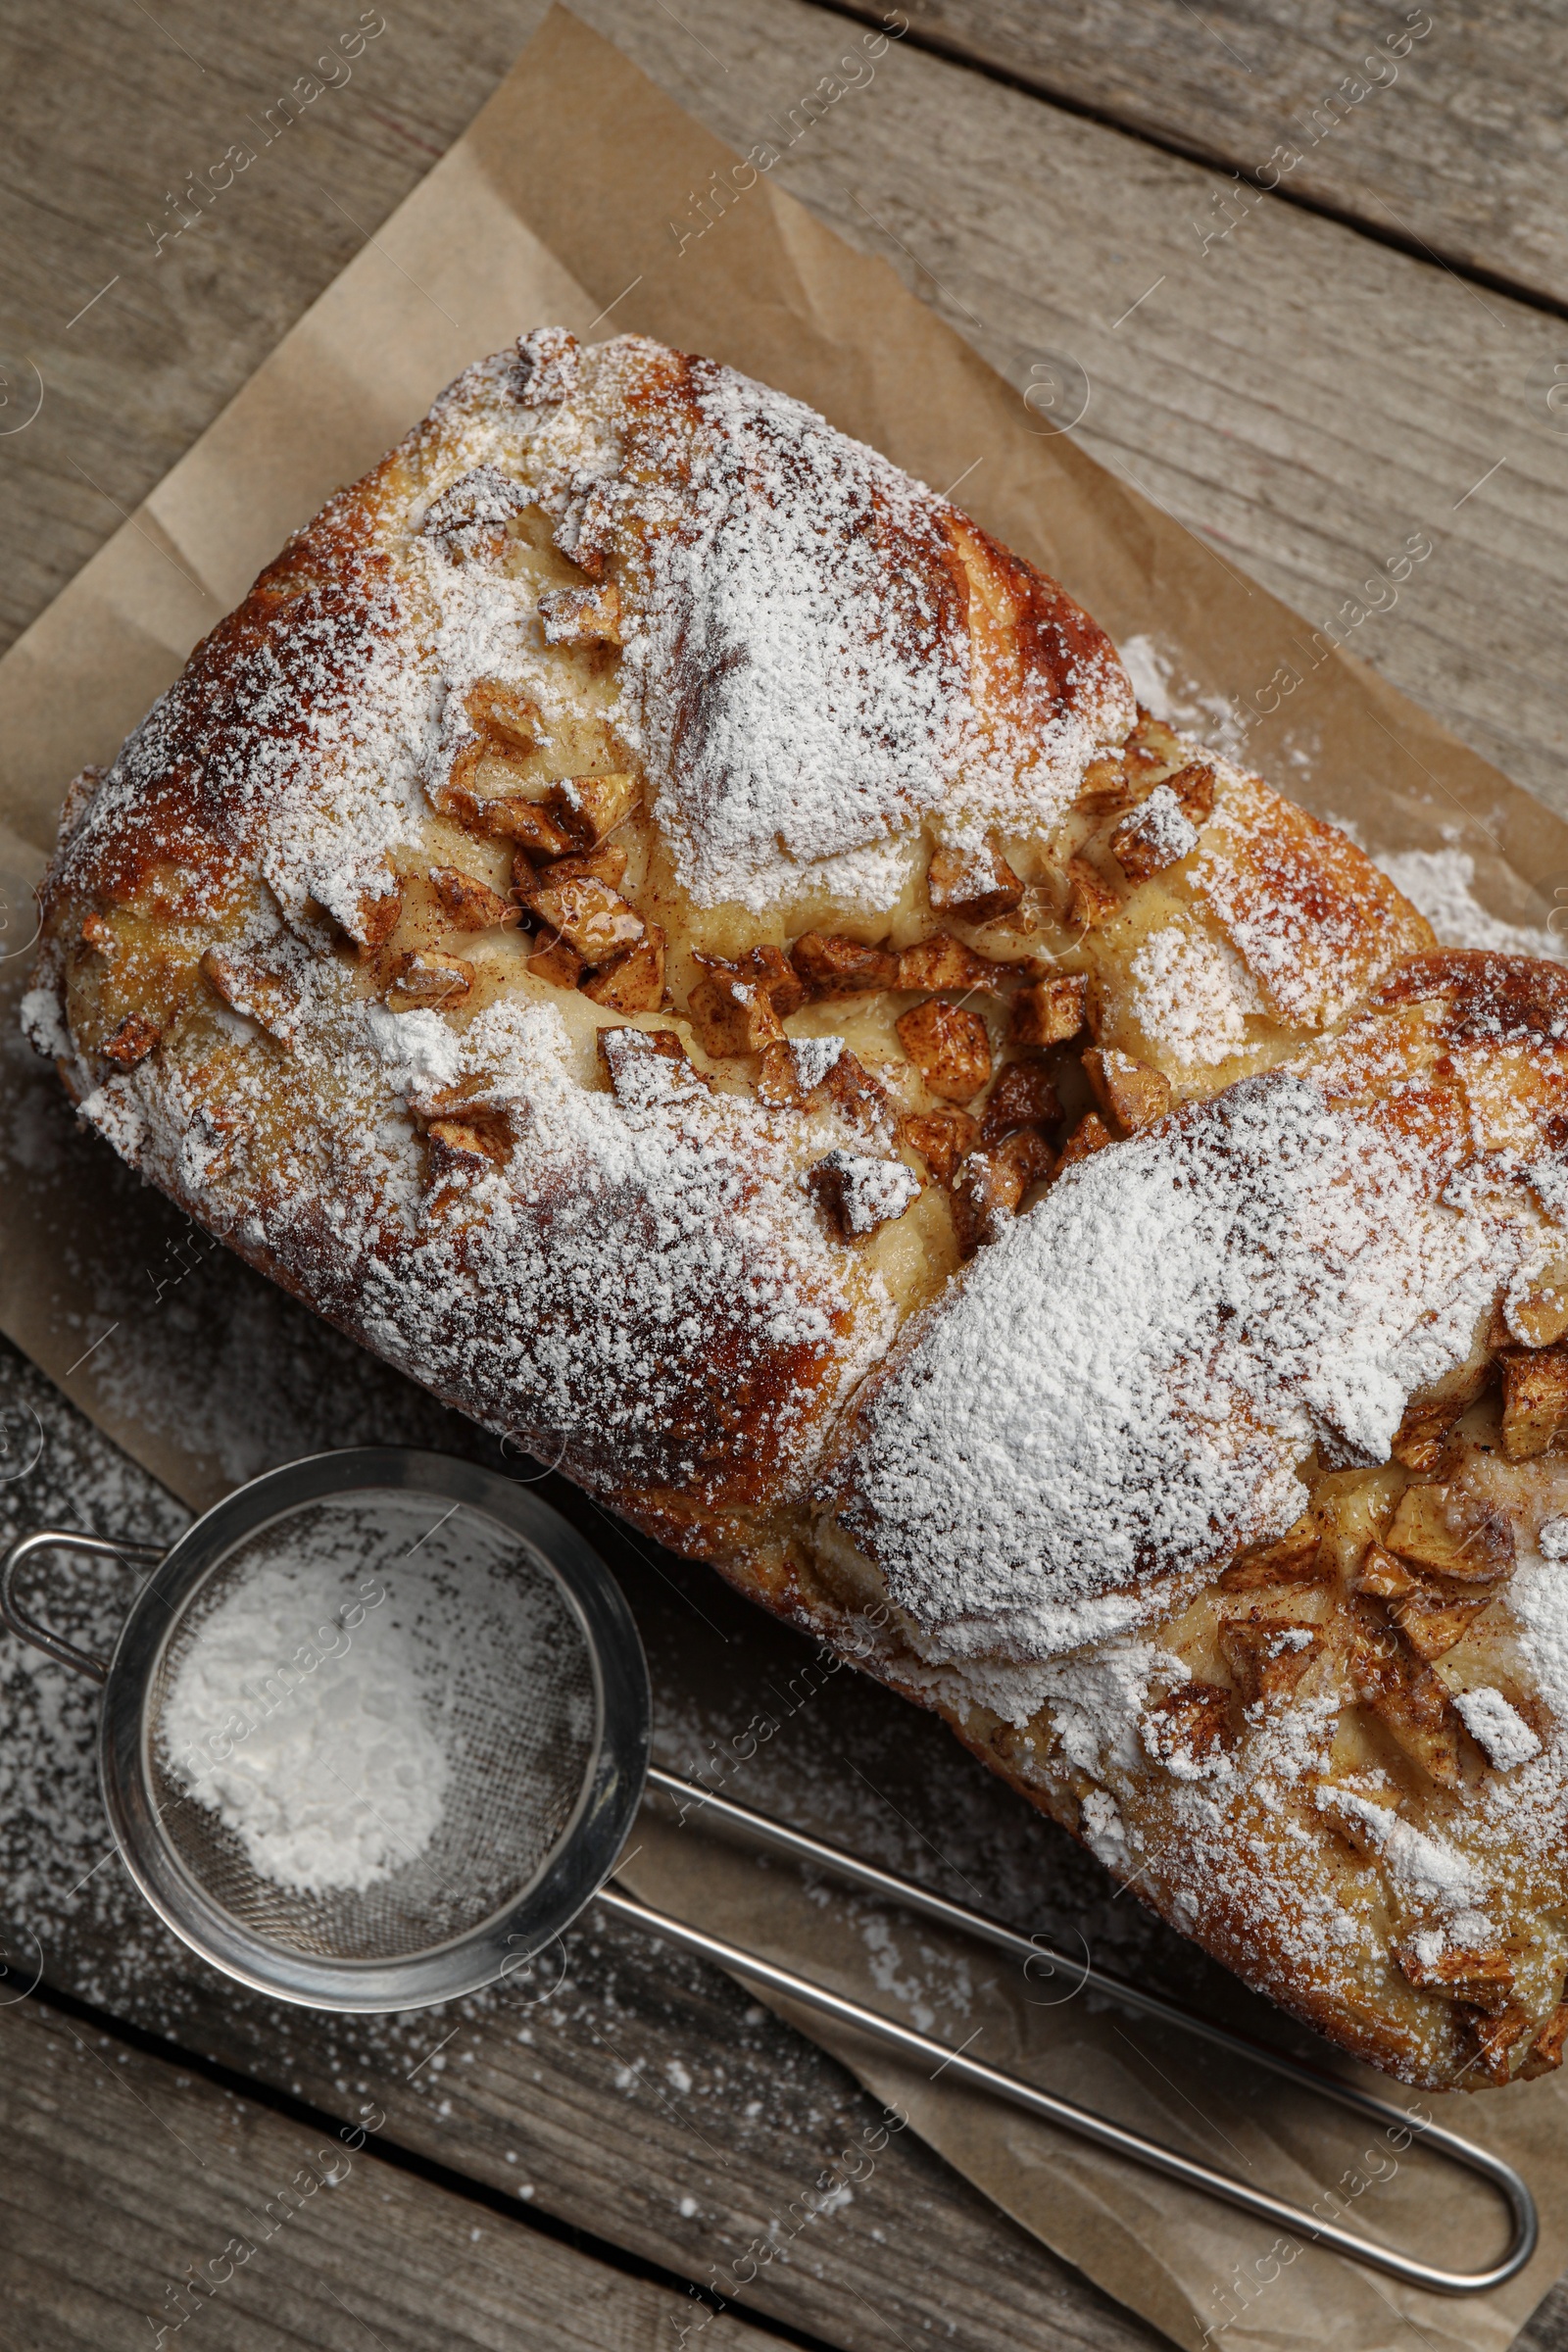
(1500, 1729)
(1194, 994)
(1127, 1381)
(812, 1058)
(826, 711)
(805, 594)
(1430, 1869)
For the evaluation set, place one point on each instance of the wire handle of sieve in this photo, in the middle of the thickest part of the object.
(1117, 2138)
(912, 1896)
(29, 1627)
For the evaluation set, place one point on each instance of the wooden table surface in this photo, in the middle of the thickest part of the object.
(1315, 265)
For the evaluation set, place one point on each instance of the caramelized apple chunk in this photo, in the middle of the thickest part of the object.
(732, 1015)
(768, 968)
(943, 1138)
(1090, 1135)
(589, 808)
(594, 920)
(251, 986)
(132, 1041)
(1434, 1622)
(1022, 1097)
(1447, 1532)
(1383, 1576)
(505, 817)
(1497, 2038)
(1534, 1401)
(468, 903)
(425, 976)
(1269, 1655)
(858, 1194)
(1483, 1978)
(944, 962)
(1546, 2051)
(991, 1185)
(976, 885)
(635, 981)
(582, 616)
(375, 916)
(1405, 1694)
(1190, 1728)
(856, 1094)
(462, 1147)
(556, 960)
(627, 1052)
(504, 720)
(950, 1047)
(1049, 1011)
(829, 964)
(1153, 835)
(606, 864)
(1134, 1094)
(1298, 1558)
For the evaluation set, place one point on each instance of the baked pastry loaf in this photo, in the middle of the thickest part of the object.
(658, 925)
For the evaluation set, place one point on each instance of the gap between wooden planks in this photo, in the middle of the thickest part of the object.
(1433, 132)
(139, 2199)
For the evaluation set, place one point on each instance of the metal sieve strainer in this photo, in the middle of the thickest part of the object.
(533, 1684)
(531, 1680)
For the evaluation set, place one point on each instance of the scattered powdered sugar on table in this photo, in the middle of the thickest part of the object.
(1439, 882)
(1152, 667)
(1124, 1385)
(1441, 885)
(297, 1716)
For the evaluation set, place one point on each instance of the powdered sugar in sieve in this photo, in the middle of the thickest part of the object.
(373, 1724)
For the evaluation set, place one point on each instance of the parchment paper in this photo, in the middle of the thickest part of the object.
(556, 206)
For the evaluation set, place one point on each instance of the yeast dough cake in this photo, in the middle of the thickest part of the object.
(658, 925)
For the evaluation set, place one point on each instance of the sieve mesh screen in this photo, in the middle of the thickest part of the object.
(507, 1687)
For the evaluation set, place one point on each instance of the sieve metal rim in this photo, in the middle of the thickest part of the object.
(583, 1854)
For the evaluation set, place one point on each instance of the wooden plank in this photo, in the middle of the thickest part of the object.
(646, 2101)
(103, 136)
(138, 2199)
(1547, 2328)
(1302, 399)
(1420, 125)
